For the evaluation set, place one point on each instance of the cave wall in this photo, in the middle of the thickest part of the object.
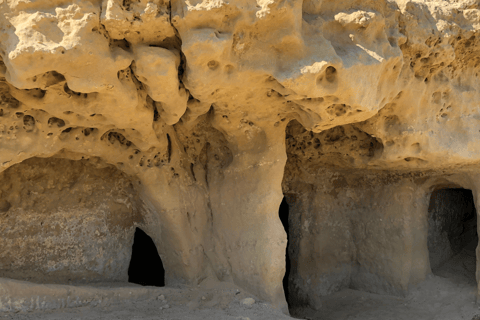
(374, 231)
(72, 227)
(364, 231)
(361, 228)
(213, 107)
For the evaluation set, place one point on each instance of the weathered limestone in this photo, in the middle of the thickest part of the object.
(212, 110)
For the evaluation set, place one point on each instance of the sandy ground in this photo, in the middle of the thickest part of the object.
(449, 294)
(152, 310)
(211, 300)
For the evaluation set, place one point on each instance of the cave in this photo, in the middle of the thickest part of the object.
(138, 137)
(146, 267)
(283, 214)
(452, 234)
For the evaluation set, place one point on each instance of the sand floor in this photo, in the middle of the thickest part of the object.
(448, 294)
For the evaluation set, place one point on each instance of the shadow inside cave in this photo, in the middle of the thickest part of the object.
(146, 267)
(283, 214)
(452, 234)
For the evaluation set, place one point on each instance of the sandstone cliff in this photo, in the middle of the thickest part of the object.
(192, 119)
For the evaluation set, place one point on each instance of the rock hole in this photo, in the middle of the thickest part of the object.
(146, 267)
(283, 214)
(37, 93)
(56, 121)
(212, 64)
(331, 74)
(88, 131)
(29, 123)
(452, 234)
(70, 91)
(113, 137)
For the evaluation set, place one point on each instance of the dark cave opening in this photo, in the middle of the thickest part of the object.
(283, 214)
(452, 234)
(146, 267)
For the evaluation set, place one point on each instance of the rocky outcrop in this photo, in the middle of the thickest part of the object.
(193, 119)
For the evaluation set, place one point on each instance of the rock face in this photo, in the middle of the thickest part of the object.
(65, 221)
(192, 120)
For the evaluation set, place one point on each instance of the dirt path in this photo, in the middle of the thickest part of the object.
(448, 295)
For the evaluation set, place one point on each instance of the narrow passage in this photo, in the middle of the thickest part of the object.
(452, 234)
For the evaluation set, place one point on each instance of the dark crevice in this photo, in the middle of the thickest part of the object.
(452, 234)
(156, 115)
(169, 148)
(181, 67)
(283, 214)
(193, 172)
(146, 267)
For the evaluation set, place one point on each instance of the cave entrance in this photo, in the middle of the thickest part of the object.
(146, 267)
(452, 234)
(283, 214)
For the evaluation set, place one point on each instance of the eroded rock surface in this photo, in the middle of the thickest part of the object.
(76, 226)
(201, 115)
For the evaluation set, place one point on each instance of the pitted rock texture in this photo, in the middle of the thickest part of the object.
(215, 109)
(76, 226)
